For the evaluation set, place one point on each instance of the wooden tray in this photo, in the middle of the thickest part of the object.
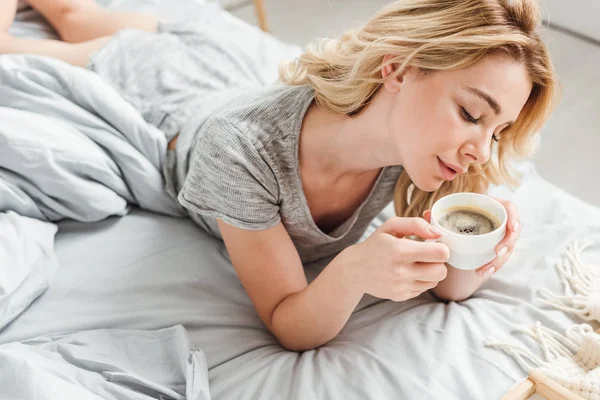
(540, 384)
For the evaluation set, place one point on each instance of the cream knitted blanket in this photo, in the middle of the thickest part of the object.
(571, 359)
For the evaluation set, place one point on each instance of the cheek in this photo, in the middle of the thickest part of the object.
(424, 122)
(454, 133)
(448, 127)
(411, 119)
(440, 131)
(435, 116)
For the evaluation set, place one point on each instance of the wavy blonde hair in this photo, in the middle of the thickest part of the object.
(435, 35)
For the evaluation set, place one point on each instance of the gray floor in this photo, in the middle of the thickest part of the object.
(568, 152)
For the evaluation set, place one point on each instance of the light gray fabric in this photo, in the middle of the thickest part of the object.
(244, 169)
(104, 364)
(27, 262)
(174, 74)
(243, 166)
(148, 271)
(66, 198)
(74, 145)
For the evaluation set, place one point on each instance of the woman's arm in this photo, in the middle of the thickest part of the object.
(301, 316)
(79, 21)
(84, 28)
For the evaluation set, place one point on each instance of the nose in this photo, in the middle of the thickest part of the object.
(478, 150)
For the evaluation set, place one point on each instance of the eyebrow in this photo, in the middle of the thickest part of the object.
(483, 95)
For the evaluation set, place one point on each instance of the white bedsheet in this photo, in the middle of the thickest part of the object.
(147, 271)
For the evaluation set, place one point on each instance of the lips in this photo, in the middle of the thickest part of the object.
(448, 173)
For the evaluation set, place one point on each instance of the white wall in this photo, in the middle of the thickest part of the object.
(582, 16)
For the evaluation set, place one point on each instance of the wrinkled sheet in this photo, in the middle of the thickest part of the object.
(105, 364)
(149, 271)
(74, 146)
(72, 149)
(27, 262)
(146, 271)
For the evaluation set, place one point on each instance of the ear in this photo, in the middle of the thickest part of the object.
(387, 72)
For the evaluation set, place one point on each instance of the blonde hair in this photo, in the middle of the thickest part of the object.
(434, 35)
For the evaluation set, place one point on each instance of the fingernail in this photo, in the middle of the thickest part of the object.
(503, 251)
(516, 226)
(436, 231)
(490, 271)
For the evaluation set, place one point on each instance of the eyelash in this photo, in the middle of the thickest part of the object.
(472, 120)
(468, 117)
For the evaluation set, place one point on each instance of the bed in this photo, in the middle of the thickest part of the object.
(145, 305)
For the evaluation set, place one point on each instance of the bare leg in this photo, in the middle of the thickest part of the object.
(86, 26)
(53, 48)
(82, 20)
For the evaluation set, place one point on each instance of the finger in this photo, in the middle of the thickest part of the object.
(401, 227)
(423, 252)
(507, 244)
(427, 216)
(493, 266)
(513, 217)
(430, 272)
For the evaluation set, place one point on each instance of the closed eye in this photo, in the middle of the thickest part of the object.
(468, 117)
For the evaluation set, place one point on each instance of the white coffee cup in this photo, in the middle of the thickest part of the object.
(470, 252)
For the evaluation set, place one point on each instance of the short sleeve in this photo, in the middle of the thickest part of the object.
(229, 179)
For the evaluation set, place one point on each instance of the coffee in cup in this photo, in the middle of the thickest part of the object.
(468, 221)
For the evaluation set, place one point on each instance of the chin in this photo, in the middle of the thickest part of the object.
(427, 184)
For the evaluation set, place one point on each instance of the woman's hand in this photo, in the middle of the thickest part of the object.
(505, 248)
(388, 266)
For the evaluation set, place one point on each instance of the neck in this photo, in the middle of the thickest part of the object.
(337, 145)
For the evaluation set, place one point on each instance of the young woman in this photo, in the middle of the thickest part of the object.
(408, 107)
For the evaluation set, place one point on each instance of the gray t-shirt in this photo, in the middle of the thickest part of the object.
(243, 168)
(237, 149)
